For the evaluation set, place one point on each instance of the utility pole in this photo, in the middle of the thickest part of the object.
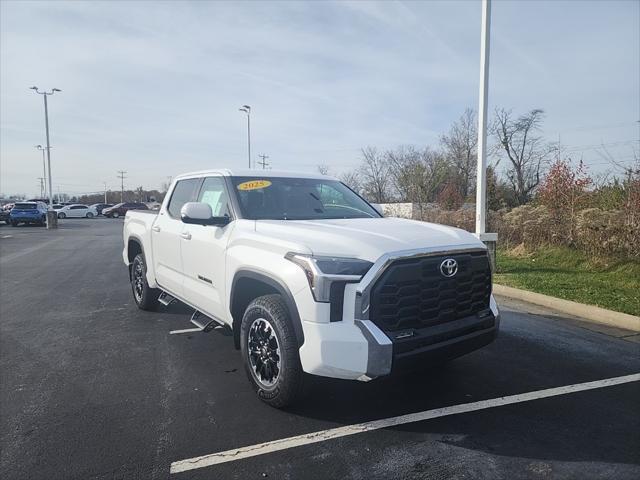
(45, 94)
(121, 177)
(44, 171)
(105, 192)
(247, 109)
(41, 181)
(264, 162)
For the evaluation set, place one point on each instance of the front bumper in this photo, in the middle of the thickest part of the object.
(359, 350)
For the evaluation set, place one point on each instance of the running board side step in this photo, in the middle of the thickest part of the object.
(166, 299)
(202, 324)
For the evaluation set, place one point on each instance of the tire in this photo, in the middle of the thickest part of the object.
(62, 215)
(265, 319)
(89, 215)
(146, 298)
(115, 215)
(14, 224)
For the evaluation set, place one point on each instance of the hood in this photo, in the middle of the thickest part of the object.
(365, 238)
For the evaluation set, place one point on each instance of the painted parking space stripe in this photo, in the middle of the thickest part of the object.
(324, 435)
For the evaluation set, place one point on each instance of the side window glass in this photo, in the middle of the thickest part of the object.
(183, 192)
(214, 193)
(329, 195)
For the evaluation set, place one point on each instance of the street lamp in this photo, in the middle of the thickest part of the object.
(247, 109)
(45, 94)
(44, 168)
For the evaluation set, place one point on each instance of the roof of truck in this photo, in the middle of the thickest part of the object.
(227, 172)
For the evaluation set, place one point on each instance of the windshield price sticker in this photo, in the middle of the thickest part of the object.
(254, 185)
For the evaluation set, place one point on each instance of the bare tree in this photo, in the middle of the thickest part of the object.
(376, 183)
(437, 174)
(460, 149)
(407, 172)
(525, 150)
(323, 169)
(352, 180)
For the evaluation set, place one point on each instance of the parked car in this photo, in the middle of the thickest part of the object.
(310, 278)
(5, 216)
(101, 206)
(28, 212)
(77, 211)
(121, 209)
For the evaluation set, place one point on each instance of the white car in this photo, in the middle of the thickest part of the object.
(77, 211)
(310, 278)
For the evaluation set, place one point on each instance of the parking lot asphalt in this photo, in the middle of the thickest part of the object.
(93, 388)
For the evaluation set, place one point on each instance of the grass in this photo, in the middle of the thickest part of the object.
(572, 275)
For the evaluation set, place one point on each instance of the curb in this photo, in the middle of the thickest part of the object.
(589, 313)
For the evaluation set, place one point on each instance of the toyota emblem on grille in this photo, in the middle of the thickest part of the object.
(449, 267)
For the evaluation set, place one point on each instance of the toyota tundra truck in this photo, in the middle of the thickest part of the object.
(310, 278)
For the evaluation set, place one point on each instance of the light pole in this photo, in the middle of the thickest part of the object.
(44, 170)
(490, 239)
(247, 109)
(481, 189)
(45, 94)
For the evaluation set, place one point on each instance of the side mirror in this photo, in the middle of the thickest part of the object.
(378, 208)
(198, 213)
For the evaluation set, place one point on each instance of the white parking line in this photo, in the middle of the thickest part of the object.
(324, 435)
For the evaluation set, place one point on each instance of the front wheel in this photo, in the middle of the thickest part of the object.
(89, 215)
(115, 215)
(14, 223)
(270, 351)
(62, 215)
(144, 296)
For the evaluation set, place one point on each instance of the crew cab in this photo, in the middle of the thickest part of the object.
(310, 278)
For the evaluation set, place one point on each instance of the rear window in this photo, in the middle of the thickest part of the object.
(25, 206)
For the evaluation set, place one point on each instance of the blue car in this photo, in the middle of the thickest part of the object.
(28, 212)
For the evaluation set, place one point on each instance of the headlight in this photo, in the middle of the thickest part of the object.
(322, 272)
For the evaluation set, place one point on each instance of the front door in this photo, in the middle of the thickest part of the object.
(203, 253)
(166, 237)
(78, 211)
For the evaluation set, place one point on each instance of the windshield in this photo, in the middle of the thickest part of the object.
(25, 206)
(280, 198)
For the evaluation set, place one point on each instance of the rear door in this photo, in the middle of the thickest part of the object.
(204, 252)
(166, 237)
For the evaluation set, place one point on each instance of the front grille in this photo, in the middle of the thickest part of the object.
(413, 293)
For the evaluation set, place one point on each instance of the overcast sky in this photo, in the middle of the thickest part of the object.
(153, 88)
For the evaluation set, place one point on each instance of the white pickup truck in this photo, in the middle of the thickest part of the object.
(309, 277)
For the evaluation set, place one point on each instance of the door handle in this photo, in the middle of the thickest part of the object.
(186, 235)
(155, 228)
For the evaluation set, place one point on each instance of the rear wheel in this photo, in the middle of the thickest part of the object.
(115, 215)
(14, 223)
(145, 297)
(270, 352)
(62, 215)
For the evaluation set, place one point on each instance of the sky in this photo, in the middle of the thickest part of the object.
(153, 88)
